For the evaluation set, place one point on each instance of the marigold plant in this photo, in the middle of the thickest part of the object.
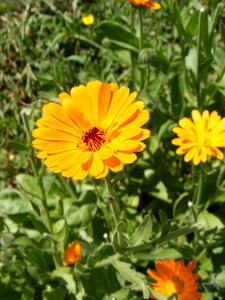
(148, 3)
(175, 278)
(94, 129)
(200, 137)
(72, 253)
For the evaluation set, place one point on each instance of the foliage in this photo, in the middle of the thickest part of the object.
(176, 64)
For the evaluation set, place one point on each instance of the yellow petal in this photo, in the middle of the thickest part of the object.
(62, 96)
(50, 134)
(97, 166)
(126, 158)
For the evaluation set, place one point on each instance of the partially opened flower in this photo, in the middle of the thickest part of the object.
(200, 137)
(94, 129)
(72, 253)
(88, 19)
(175, 278)
(148, 3)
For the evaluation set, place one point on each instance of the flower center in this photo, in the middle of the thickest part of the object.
(204, 140)
(94, 138)
(178, 284)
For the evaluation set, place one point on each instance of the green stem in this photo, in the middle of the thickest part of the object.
(141, 40)
(48, 223)
(68, 186)
(199, 42)
(47, 219)
(44, 208)
(147, 246)
(113, 202)
(197, 199)
(214, 21)
(140, 29)
(131, 54)
(119, 242)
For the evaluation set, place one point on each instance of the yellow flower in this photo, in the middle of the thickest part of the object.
(148, 3)
(201, 137)
(72, 253)
(94, 129)
(175, 278)
(88, 20)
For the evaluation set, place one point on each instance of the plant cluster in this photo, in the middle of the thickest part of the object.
(112, 134)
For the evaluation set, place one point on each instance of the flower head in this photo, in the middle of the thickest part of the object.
(72, 253)
(94, 129)
(201, 137)
(175, 278)
(88, 20)
(148, 3)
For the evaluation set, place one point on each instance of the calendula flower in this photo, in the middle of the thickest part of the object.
(200, 137)
(72, 253)
(88, 20)
(94, 129)
(175, 278)
(148, 3)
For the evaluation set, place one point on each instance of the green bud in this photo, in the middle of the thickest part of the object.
(147, 56)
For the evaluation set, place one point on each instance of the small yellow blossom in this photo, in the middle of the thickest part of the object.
(88, 20)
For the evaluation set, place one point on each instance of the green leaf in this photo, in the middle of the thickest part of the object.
(205, 34)
(160, 192)
(192, 26)
(142, 233)
(209, 220)
(159, 253)
(179, 23)
(77, 58)
(29, 184)
(65, 274)
(81, 216)
(58, 293)
(118, 45)
(191, 61)
(26, 242)
(35, 257)
(12, 203)
(18, 146)
(222, 31)
(219, 280)
(100, 253)
(128, 273)
(60, 233)
(117, 32)
(120, 295)
(157, 295)
(28, 292)
(6, 239)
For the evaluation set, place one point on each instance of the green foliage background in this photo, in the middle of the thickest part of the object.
(177, 66)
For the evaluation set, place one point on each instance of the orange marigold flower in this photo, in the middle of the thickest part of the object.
(148, 3)
(175, 278)
(73, 253)
(201, 137)
(94, 129)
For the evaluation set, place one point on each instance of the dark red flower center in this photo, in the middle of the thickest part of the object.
(94, 138)
(179, 284)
